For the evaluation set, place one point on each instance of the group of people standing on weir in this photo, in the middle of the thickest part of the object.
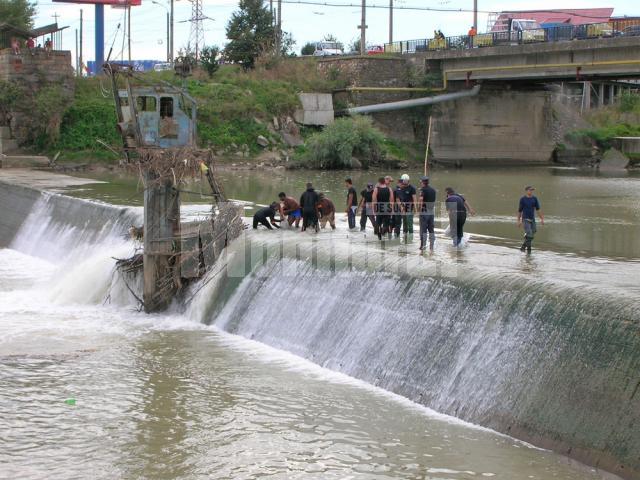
(390, 209)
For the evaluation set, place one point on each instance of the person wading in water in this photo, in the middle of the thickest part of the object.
(527, 217)
(383, 203)
(457, 207)
(290, 208)
(308, 201)
(427, 210)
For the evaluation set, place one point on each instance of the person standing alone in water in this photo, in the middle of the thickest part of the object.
(527, 217)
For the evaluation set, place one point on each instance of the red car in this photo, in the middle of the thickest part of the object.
(375, 50)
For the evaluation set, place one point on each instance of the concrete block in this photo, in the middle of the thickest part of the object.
(7, 145)
(317, 109)
(314, 118)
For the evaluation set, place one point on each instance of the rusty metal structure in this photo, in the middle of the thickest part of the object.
(157, 124)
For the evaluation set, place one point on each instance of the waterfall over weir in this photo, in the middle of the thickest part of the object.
(546, 350)
(545, 361)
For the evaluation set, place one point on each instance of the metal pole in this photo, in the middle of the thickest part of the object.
(390, 21)
(426, 153)
(81, 37)
(362, 27)
(99, 39)
(171, 39)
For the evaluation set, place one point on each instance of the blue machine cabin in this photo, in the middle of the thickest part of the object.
(162, 118)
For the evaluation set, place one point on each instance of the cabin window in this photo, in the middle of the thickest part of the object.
(146, 104)
(166, 107)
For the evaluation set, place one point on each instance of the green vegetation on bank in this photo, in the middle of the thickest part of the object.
(619, 120)
(234, 106)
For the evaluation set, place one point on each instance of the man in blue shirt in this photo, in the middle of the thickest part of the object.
(527, 216)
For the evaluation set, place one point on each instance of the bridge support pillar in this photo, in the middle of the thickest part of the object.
(586, 96)
(601, 101)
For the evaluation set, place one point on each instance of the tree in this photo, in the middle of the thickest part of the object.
(330, 37)
(209, 59)
(250, 32)
(18, 13)
(287, 45)
(308, 49)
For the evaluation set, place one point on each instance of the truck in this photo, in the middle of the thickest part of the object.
(511, 31)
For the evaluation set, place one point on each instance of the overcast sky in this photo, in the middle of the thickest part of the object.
(307, 23)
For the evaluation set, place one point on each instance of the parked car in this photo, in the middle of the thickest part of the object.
(324, 49)
(375, 50)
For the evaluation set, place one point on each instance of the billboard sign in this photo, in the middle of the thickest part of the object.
(116, 3)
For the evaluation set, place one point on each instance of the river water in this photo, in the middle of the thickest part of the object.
(92, 388)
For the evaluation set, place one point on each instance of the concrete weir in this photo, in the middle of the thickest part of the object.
(556, 366)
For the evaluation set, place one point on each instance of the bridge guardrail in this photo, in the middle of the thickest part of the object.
(617, 28)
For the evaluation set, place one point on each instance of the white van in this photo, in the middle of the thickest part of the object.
(324, 49)
(160, 67)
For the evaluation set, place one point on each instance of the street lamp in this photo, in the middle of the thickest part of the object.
(169, 29)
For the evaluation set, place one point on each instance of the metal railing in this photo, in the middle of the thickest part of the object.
(617, 28)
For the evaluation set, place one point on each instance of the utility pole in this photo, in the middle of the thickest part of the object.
(279, 32)
(55, 16)
(475, 14)
(168, 30)
(171, 38)
(77, 68)
(129, 31)
(80, 61)
(363, 28)
(390, 21)
(196, 36)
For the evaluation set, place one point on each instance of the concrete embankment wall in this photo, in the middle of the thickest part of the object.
(499, 126)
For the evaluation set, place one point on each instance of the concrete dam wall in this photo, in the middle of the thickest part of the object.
(557, 366)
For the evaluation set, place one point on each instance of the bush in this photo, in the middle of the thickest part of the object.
(629, 102)
(84, 122)
(209, 60)
(340, 142)
(603, 136)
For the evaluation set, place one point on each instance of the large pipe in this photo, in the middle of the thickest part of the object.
(414, 102)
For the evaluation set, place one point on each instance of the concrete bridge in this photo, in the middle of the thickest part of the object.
(602, 58)
(532, 95)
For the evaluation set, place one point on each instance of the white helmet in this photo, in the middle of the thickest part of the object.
(404, 177)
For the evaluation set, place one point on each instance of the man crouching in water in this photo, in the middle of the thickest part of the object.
(264, 214)
(290, 208)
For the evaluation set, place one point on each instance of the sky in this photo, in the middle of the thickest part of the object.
(307, 23)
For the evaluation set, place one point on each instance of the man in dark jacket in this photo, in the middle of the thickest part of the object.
(457, 207)
(264, 214)
(427, 211)
(308, 201)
